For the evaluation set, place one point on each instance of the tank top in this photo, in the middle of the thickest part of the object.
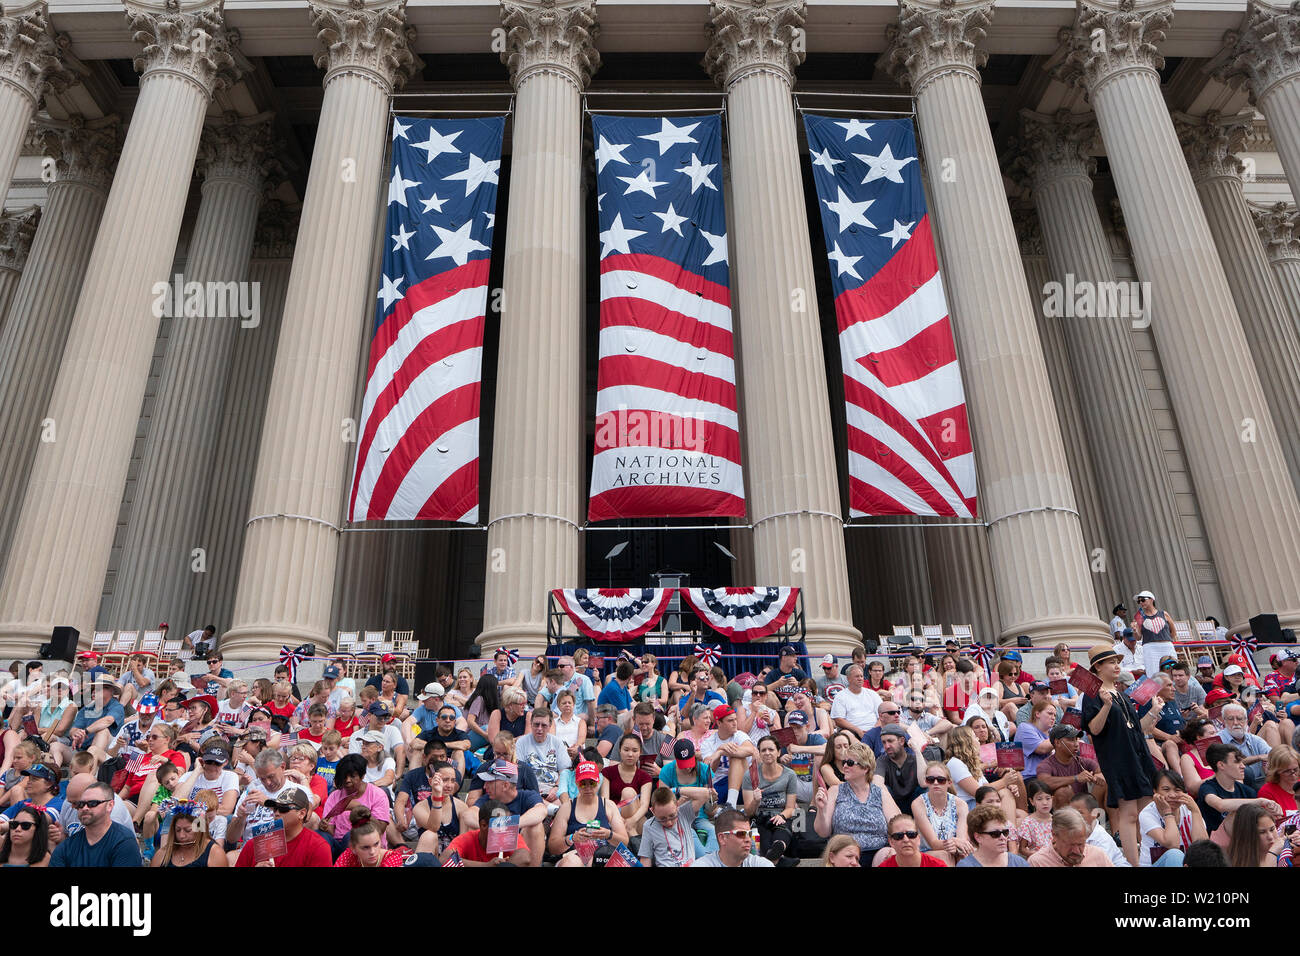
(446, 831)
(944, 824)
(518, 727)
(198, 862)
(864, 821)
(1160, 634)
(575, 824)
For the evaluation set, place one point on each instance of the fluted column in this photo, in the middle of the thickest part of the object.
(537, 459)
(1278, 232)
(791, 474)
(225, 512)
(1210, 145)
(291, 545)
(962, 587)
(1236, 460)
(65, 533)
(1035, 538)
(161, 551)
(31, 63)
(16, 233)
(1137, 498)
(33, 336)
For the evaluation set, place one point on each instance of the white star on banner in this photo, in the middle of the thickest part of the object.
(433, 203)
(491, 218)
(616, 237)
(402, 239)
(608, 152)
(598, 199)
(671, 220)
(438, 144)
(825, 160)
(670, 135)
(456, 245)
(388, 291)
(477, 173)
(898, 233)
(850, 212)
(884, 165)
(399, 129)
(843, 264)
(855, 128)
(717, 248)
(398, 186)
(699, 173)
(641, 183)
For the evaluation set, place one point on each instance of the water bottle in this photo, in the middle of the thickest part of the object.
(753, 841)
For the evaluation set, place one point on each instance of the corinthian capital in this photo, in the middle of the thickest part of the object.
(31, 54)
(755, 36)
(371, 40)
(1211, 143)
(550, 36)
(932, 40)
(1109, 39)
(236, 150)
(16, 231)
(1055, 147)
(277, 228)
(83, 151)
(189, 41)
(1279, 231)
(1265, 52)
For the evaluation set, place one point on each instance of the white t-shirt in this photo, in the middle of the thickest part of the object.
(374, 773)
(567, 732)
(859, 709)
(227, 781)
(392, 739)
(1149, 819)
(959, 772)
(262, 813)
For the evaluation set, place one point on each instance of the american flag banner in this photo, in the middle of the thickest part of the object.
(667, 429)
(622, 856)
(908, 437)
(417, 446)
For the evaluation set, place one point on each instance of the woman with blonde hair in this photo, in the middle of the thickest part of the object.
(859, 806)
(459, 694)
(187, 839)
(512, 716)
(842, 851)
(1281, 773)
(653, 688)
(967, 771)
(679, 681)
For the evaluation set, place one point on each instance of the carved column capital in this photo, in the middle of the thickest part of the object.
(1057, 147)
(236, 151)
(1264, 52)
(755, 36)
(32, 56)
(371, 40)
(186, 40)
(1108, 40)
(83, 151)
(1211, 143)
(1279, 230)
(277, 230)
(933, 40)
(16, 232)
(550, 37)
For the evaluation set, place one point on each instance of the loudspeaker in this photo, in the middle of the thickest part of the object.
(871, 644)
(425, 673)
(62, 645)
(1288, 636)
(1024, 641)
(1266, 629)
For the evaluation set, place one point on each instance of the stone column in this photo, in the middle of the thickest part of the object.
(291, 545)
(31, 63)
(65, 533)
(1277, 231)
(1211, 145)
(962, 587)
(162, 552)
(240, 428)
(790, 473)
(1034, 537)
(1236, 460)
(537, 495)
(16, 232)
(34, 333)
(1137, 496)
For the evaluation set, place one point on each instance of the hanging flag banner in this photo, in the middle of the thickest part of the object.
(908, 438)
(743, 614)
(614, 614)
(667, 431)
(417, 446)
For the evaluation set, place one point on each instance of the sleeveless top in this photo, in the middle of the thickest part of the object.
(446, 831)
(865, 822)
(199, 862)
(944, 824)
(575, 824)
(1161, 634)
(518, 726)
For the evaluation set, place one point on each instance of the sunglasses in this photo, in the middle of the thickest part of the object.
(891, 713)
(22, 825)
(848, 762)
(904, 835)
(936, 779)
(995, 834)
(87, 804)
(735, 833)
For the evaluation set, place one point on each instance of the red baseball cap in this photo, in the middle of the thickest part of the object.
(721, 712)
(1216, 695)
(586, 771)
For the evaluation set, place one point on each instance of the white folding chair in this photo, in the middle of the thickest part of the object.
(1183, 631)
(171, 651)
(905, 630)
(372, 639)
(123, 646)
(932, 634)
(101, 642)
(963, 634)
(1204, 630)
(347, 641)
(400, 637)
(151, 644)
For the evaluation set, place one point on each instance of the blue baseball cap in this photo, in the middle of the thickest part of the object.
(1013, 656)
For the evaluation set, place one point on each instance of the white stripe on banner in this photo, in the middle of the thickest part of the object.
(614, 397)
(623, 283)
(628, 341)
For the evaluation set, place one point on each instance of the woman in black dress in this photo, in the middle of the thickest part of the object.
(1111, 719)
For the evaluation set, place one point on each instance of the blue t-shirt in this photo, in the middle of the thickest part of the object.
(1012, 860)
(1171, 719)
(1029, 736)
(118, 847)
(325, 769)
(616, 694)
(711, 697)
(88, 715)
(54, 806)
(668, 778)
(524, 801)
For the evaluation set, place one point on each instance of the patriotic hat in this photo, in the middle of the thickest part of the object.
(797, 718)
(828, 660)
(206, 699)
(148, 705)
(41, 770)
(586, 771)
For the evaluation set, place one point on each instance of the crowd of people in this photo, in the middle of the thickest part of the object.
(1126, 757)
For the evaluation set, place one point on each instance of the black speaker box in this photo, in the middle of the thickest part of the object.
(1024, 641)
(62, 645)
(1288, 636)
(1266, 629)
(425, 673)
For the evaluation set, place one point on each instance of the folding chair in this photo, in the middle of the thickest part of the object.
(932, 634)
(151, 645)
(963, 634)
(1183, 631)
(122, 648)
(1204, 630)
(101, 642)
(905, 630)
(171, 651)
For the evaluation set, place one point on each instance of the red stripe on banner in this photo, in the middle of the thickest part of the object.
(857, 394)
(650, 373)
(916, 358)
(670, 272)
(453, 408)
(781, 615)
(652, 501)
(656, 612)
(910, 267)
(869, 499)
(713, 439)
(432, 290)
(455, 496)
(949, 430)
(642, 314)
(870, 447)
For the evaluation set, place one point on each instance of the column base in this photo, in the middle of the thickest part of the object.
(530, 639)
(24, 640)
(264, 643)
(1047, 632)
(829, 637)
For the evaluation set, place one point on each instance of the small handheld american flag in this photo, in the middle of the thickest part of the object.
(454, 860)
(622, 856)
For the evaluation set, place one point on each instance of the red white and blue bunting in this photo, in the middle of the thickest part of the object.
(614, 614)
(743, 614)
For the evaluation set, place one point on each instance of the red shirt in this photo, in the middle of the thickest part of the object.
(346, 728)
(308, 848)
(926, 860)
(1271, 791)
(138, 779)
(639, 779)
(468, 848)
(319, 789)
(391, 858)
(285, 711)
(305, 733)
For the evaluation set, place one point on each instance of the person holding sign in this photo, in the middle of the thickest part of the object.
(302, 847)
(1033, 736)
(1112, 721)
(471, 847)
(588, 823)
(1067, 774)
